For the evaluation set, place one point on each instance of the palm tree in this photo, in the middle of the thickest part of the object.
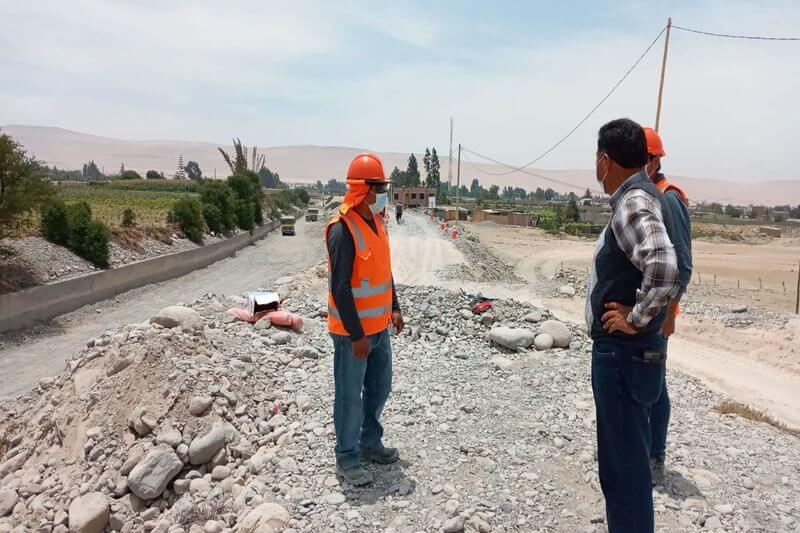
(239, 163)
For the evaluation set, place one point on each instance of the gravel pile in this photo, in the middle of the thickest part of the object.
(195, 422)
(44, 261)
(481, 263)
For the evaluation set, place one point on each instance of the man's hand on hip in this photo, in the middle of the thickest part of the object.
(397, 321)
(617, 319)
(361, 348)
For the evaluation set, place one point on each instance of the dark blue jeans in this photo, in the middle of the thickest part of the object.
(627, 376)
(659, 420)
(361, 389)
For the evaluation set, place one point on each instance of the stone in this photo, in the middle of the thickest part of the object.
(89, 513)
(487, 319)
(150, 476)
(198, 405)
(453, 525)
(220, 472)
(725, 508)
(466, 314)
(335, 498)
(199, 486)
(8, 499)
(560, 332)
(533, 317)
(169, 434)
(266, 518)
(203, 448)
(281, 337)
(309, 352)
(543, 341)
(712, 522)
(748, 483)
(739, 308)
(511, 338)
(263, 324)
(566, 290)
(13, 464)
(178, 316)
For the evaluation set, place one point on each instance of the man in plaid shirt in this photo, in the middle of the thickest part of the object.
(634, 276)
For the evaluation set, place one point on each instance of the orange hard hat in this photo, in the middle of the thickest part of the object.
(366, 167)
(654, 144)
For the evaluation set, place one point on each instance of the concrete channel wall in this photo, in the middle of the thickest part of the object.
(26, 307)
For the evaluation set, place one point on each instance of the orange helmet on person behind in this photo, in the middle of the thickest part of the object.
(654, 144)
(367, 167)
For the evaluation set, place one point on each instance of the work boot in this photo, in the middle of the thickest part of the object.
(658, 472)
(382, 455)
(357, 475)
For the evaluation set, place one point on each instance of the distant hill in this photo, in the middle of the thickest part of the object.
(70, 150)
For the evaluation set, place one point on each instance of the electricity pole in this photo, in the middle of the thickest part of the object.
(450, 159)
(663, 69)
(797, 301)
(458, 187)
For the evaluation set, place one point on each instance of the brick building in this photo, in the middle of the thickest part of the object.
(413, 196)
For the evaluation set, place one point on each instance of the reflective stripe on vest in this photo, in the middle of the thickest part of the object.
(370, 312)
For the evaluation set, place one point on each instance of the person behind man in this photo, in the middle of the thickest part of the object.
(398, 212)
(634, 275)
(362, 303)
(680, 234)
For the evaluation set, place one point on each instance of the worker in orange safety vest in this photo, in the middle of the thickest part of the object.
(680, 233)
(362, 306)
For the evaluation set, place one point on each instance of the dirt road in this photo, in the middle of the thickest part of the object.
(256, 266)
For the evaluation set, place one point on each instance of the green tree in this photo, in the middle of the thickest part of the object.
(22, 188)
(733, 211)
(494, 192)
(399, 178)
(219, 195)
(90, 172)
(193, 171)
(95, 246)
(188, 214)
(412, 172)
(53, 222)
(269, 179)
(154, 175)
(571, 213)
(474, 186)
(426, 163)
(434, 174)
(79, 215)
(128, 218)
(130, 175)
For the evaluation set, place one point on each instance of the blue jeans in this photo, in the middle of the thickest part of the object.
(627, 376)
(362, 387)
(659, 420)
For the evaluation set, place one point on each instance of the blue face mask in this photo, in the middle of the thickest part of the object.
(380, 203)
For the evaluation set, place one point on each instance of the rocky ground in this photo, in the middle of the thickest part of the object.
(195, 422)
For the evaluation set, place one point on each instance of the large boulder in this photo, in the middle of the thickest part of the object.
(89, 513)
(560, 332)
(511, 338)
(155, 470)
(178, 316)
(203, 448)
(266, 518)
(566, 290)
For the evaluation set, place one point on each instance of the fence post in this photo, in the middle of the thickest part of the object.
(760, 285)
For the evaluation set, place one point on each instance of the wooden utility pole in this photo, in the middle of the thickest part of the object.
(663, 69)
(450, 159)
(797, 301)
(458, 187)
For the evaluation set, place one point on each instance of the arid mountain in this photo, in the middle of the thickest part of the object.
(70, 150)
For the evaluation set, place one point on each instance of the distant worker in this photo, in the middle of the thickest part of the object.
(398, 212)
(681, 237)
(634, 275)
(362, 304)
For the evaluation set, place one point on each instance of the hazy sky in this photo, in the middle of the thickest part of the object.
(516, 76)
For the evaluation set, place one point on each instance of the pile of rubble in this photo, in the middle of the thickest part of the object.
(481, 264)
(196, 422)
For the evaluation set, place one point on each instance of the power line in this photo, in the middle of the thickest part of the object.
(732, 36)
(523, 170)
(579, 124)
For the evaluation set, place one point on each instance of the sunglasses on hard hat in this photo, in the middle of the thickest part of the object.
(379, 188)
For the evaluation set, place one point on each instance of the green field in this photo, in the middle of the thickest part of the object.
(108, 202)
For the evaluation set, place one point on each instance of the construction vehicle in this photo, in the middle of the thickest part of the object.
(287, 225)
(312, 215)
